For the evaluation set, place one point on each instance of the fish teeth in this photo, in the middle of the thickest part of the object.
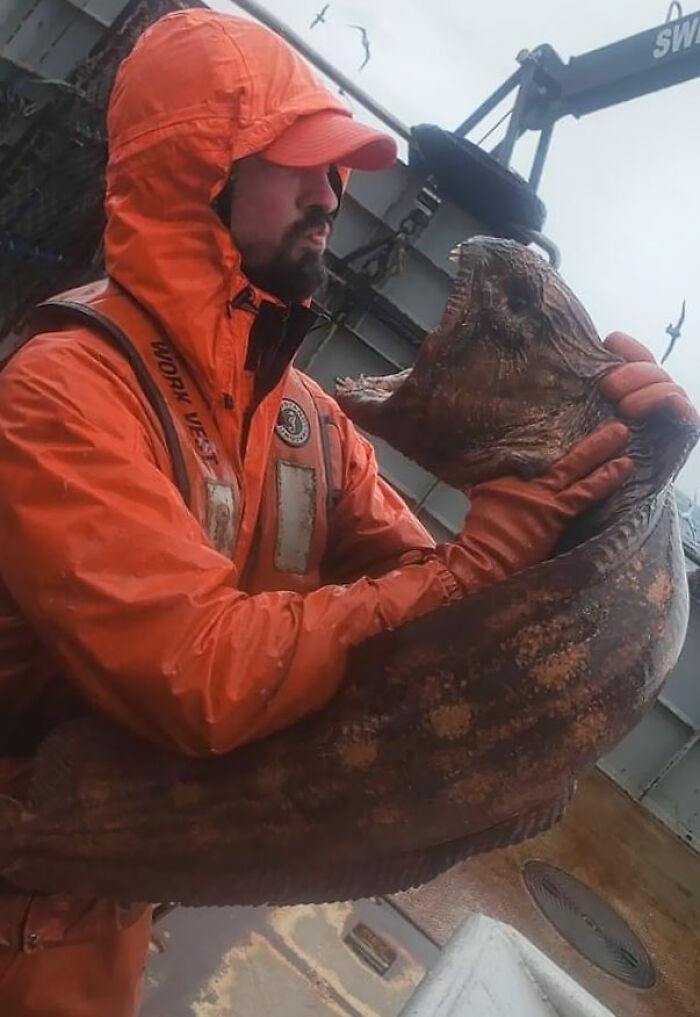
(456, 252)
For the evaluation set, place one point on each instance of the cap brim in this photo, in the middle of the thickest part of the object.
(331, 137)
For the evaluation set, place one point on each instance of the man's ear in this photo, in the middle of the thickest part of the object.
(336, 182)
(222, 202)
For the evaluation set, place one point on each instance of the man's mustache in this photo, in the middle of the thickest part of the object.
(313, 219)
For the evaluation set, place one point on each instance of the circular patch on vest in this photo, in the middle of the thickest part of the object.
(292, 424)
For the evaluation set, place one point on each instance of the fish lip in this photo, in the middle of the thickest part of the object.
(380, 386)
(458, 252)
(351, 388)
(471, 259)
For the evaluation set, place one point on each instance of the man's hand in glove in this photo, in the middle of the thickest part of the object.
(641, 386)
(515, 523)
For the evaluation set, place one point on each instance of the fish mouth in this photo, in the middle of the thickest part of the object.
(472, 254)
(361, 398)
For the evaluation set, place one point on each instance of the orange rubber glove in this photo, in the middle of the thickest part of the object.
(515, 523)
(641, 386)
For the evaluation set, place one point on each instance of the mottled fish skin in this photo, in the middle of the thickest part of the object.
(506, 383)
(460, 732)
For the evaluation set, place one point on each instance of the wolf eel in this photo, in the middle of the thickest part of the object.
(457, 733)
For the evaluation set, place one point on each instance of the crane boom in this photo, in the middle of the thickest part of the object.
(638, 65)
(549, 89)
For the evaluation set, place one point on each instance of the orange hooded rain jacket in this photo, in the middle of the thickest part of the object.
(113, 594)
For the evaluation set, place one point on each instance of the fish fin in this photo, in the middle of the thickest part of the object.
(522, 827)
(381, 876)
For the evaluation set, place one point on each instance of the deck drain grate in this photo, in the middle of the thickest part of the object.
(588, 924)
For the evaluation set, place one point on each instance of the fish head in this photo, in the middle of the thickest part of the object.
(503, 384)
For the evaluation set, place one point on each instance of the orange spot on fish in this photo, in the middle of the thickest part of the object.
(358, 753)
(451, 721)
(559, 668)
(660, 589)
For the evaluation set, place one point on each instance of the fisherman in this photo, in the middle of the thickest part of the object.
(206, 597)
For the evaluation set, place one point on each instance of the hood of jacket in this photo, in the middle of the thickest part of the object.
(199, 91)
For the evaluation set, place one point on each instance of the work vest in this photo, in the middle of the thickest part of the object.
(302, 481)
(303, 472)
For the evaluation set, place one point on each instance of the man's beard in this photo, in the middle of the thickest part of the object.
(292, 279)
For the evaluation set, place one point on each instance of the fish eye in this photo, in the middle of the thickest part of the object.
(521, 295)
(518, 303)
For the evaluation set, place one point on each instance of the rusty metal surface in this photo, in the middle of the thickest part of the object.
(650, 877)
(339, 960)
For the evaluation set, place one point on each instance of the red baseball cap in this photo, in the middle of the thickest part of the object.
(331, 136)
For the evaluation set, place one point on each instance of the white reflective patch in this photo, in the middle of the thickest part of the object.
(296, 512)
(221, 516)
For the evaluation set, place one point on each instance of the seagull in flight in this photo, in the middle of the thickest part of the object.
(365, 43)
(320, 18)
(674, 331)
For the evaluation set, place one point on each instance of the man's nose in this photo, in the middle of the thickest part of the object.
(318, 190)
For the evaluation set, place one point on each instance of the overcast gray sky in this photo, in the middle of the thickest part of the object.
(621, 185)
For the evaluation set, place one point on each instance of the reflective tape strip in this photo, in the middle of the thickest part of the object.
(221, 516)
(296, 516)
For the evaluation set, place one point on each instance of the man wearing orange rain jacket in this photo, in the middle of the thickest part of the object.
(193, 559)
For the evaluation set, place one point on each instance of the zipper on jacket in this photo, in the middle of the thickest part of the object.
(245, 429)
(244, 300)
(275, 335)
